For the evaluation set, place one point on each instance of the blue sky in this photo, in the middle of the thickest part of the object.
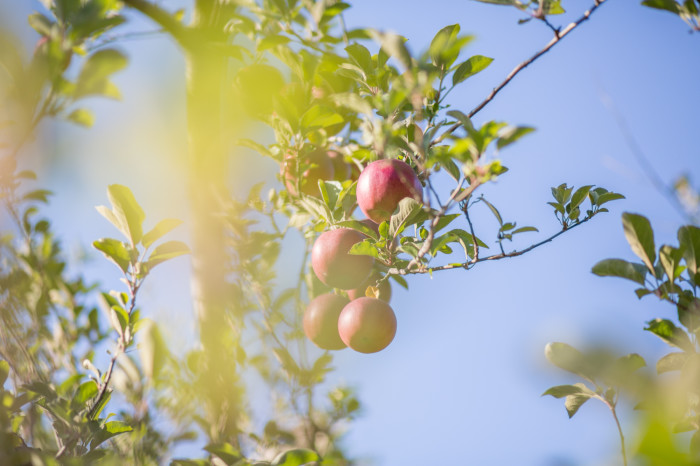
(461, 382)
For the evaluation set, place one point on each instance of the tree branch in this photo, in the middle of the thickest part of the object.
(471, 263)
(557, 38)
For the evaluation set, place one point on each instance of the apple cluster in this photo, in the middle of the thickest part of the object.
(348, 317)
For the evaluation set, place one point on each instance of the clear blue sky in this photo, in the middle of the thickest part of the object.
(461, 383)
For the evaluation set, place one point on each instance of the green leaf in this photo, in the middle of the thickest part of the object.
(359, 226)
(607, 197)
(469, 68)
(85, 392)
(40, 195)
(225, 451)
(115, 251)
(493, 209)
(82, 117)
(668, 332)
(671, 362)
(670, 257)
(4, 372)
(40, 24)
(319, 116)
(568, 358)
(524, 229)
(578, 196)
(620, 268)
(574, 402)
(668, 5)
(361, 56)
(640, 236)
(93, 77)
(330, 191)
(409, 212)
(364, 248)
(394, 45)
(161, 229)
(166, 251)
(689, 241)
(127, 214)
(560, 391)
(111, 429)
(296, 457)
(511, 134)
(152, 349)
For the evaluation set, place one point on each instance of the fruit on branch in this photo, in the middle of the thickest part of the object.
(367, 325)
(333, 265)
(342, 170)
(313, 167)
(321, 321)
(384, 288)
(382, 184)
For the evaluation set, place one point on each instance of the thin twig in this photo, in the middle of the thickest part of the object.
(557, 38)
(666, 191)
(469, 264)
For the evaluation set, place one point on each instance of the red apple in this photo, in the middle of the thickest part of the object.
(382, 184)
(333, 265)
(367, 325)
(384, 288)
(321, 321)
(314, 166)
(342, 169)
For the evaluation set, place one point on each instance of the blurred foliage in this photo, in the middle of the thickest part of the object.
(86, 377)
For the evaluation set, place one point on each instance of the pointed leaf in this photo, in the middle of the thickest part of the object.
(640, 236)
(166, 251)
(474, 65)
(127, 212)
(297, 457)
(161, 229)
(115, 251)
(620, 268)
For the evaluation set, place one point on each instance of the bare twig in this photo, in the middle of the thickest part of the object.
(476, 259)
(557, 38)
(666, 191)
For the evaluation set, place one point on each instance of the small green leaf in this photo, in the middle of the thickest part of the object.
(667, 331)
(161, 229)
(94, 76)
(394, 45)
(4, 372)
(689, 241)
(225, 451)
(511, 134)
(364, 248)
(85, 392)
(474, 65)
(361, 56)
(668, 5)
(82, 117)
(126, 214)
(568, 358)
(493, 209)
(620, 268)
(359, 226)
(152, 349)
(115, 251)
(560, 391)
(640, 236)
(578, 196)
(296, 457)
(166, 251)
(111, 429)
(574, 402)
(607, 197)
(671, 362)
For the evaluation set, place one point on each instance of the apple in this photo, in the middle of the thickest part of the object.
(382, 184)
(342, 169)
(333, 265)
(321, 321)
(314, 167)
(367, 325)
(384, 288)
